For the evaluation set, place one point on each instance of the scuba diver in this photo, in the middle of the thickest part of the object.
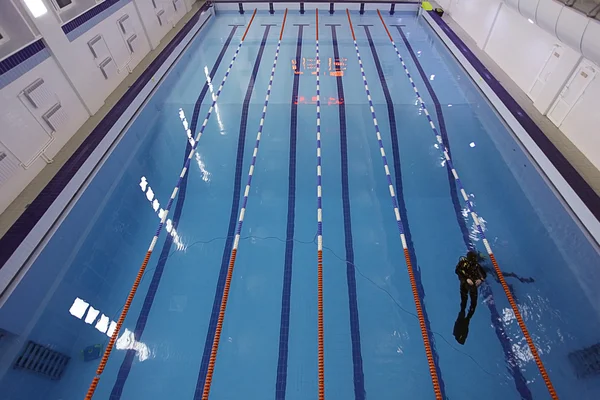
(472, 271)
(471, 275)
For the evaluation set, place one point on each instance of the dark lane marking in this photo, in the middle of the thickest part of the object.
(486, 290)
(123, 373)
(402, 203)
(442, 125)
(357, 362)
(281, 382)
(210, 334)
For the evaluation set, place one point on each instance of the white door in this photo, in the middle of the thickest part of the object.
(545, 73)
(572, 92)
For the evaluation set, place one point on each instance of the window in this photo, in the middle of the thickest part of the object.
(3, 37)
(62, 4)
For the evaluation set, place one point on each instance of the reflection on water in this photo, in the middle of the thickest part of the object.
(214, 97)
(127, 342)
(202, 166)
(105, 325)
(160, 212)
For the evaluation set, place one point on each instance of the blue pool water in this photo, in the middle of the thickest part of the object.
(268, 347)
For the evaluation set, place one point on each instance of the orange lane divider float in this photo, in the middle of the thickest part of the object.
(413, 283)
(140, 274)
(471, 208)
(321, 341)
(215, 345)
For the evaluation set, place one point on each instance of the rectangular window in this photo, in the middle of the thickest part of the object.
(61, 4)
(3, 37)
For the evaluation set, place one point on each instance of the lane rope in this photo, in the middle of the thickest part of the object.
(486, 289)
(416, 297)
(140, 274)
(236, 242)
(471, 209)
(320, 228)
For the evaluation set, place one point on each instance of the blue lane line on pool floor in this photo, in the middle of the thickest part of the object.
(359, 377)
(210, 334)
(509, 355)
(125, 368)
(282, 363)
(401, 201)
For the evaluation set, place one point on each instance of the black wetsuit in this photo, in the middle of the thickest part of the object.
(473, 271)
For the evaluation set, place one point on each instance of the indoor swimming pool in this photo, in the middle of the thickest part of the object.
(284, 169)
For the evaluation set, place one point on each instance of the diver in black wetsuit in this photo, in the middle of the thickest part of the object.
(471, 275)
(475, 263)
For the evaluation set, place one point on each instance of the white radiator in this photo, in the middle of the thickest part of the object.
(9, 165)
(38, 94)
(126, 25)
(162, 17)
(98, 47)
(56, 117)
(133, 42)
(108, 68)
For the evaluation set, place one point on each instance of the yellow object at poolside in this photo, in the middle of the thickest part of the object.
(427, 6)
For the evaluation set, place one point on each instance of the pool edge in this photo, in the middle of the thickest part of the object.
(31, 228)
(575, 191)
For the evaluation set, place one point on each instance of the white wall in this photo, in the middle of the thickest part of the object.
(13, 26)
(21, 127)
(97, 88)
(77, 61)
(476, 17)
(521, 48)
(72, 76)
(582, 124)
(147, 13)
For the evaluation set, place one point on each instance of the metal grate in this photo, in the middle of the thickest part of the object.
(42, 360)
(586, 362)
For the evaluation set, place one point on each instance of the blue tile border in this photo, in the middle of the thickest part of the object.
(124, 370)
(357, 361)
(36, 210)
(402, 209)
(26, 52)
(495, 319)
(286, 292)
(235, 204)
(22, 61)
(86, 21)
(24, 67)
(568, 172)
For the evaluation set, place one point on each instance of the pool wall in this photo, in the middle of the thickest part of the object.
(70, 61)
(24, 237)
(580, 197)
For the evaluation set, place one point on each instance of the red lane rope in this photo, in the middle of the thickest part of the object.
(511, 300)
(249, 23)
(417, 299)
(215, 346)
